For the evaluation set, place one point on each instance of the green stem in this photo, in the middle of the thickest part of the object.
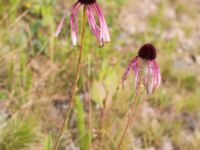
(76, 81)
(90, 109)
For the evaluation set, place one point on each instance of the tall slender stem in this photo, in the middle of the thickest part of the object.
(52, 43)
(133, 112)
(134, 109)
(90, 123)
(76, 81)
(90, 108)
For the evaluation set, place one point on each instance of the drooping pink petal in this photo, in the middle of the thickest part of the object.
(137, 79)
(104, 33)
(157, 73)
(92, 22)
(151, 76)
(74, 29)
(132, 65)
(137, 70)
(135, 65)
(63, 19)
(159, 77)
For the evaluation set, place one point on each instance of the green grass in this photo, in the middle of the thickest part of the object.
(17, 134)
(84, 134)
(48, 142)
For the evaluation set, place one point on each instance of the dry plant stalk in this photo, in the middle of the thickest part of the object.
(68, 110)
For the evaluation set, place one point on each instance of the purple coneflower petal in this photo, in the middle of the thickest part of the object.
(135, 63)
(104, 33)
(61, 24)
(151, 76)
(137, 80)
(132, 65)
(63, 19)
(157, 75)
(92, 22)
(74, 29)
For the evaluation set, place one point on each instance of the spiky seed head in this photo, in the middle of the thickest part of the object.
(147, 52)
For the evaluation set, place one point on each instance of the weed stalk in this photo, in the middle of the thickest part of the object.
(133, 110)
(68, 110)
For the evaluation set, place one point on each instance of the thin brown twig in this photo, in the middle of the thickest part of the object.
(131, 118)
(76, 81)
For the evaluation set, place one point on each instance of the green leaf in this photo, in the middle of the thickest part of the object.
(48, 142)
(83, 133)
(98, 92)
(111, 82)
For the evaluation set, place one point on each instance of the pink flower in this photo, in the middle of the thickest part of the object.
(100, 30)
(147, 71)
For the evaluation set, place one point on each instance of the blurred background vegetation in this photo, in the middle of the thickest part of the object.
(37, 73)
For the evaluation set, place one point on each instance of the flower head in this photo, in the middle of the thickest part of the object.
(100, 30)
(147, 52)
(147, 71)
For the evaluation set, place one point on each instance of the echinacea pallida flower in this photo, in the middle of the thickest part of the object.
(100, 30)
(147, 71)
